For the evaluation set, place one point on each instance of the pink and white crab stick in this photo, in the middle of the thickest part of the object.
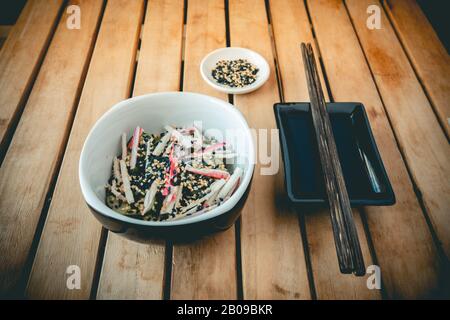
(134, 146)
(213, 173)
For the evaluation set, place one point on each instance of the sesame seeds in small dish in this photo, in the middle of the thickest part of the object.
(234, 70)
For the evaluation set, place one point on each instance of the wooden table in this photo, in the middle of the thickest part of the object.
(55, 82)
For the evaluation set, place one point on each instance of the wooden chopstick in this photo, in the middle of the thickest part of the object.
(339, 230)
(345, 235)
(356, 254)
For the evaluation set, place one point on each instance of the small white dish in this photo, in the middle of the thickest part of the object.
(232, 53)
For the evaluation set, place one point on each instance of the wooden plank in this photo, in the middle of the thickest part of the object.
(273, 259)
(328, 280)
(205, 32)
(132, 270)
(71, 234)
(205, 269)
(35, 151)
(20, 58)
(424, 145)
(4, 31)
(428, 56)
(159, 67)
(401, 238)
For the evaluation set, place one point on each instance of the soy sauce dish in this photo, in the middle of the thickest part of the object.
(147, 136)
(365, 176)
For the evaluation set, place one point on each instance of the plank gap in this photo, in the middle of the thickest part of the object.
(181, 77)
(318, 53)
(168, 257)
(138, 46)
(99, 263)
(138, 50)
(227, 36)
(324, 74)
(144, 15)
(168, 261)
(185, 12)
(183, 45)
(304, 235)
(227, 25)
(239, 284)
(237, 225)
(274, 52)
(384, 295)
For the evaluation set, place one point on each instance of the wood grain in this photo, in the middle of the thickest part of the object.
(429, 57)
(35, 151)
(4, 32)
(402, 241)
(132, 270)
(273, 259)
(424, 144)
(71, 234)
(205, 269)
(328, 280)
(21, 56)
(159, 67)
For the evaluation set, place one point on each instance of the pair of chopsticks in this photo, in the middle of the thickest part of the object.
(345, 235)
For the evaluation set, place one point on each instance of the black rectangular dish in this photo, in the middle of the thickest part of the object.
(364, 174)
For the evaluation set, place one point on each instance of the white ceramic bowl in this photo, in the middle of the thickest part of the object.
(232, 53)
(152, 112)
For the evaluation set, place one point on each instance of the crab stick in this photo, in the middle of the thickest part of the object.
(161, 145)
(126, 182)
(231, 183)
(135, 146)
(214, 147)
(213, 173)
(130, 144)
(169, 201)
(179, 196)
(124, 146)
(116, 169)
(183, 140)
(115, 192)
(216, 186)
(149, 199)
(198, 140)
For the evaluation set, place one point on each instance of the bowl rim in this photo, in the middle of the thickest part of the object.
(93, 200)
(252, 87)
